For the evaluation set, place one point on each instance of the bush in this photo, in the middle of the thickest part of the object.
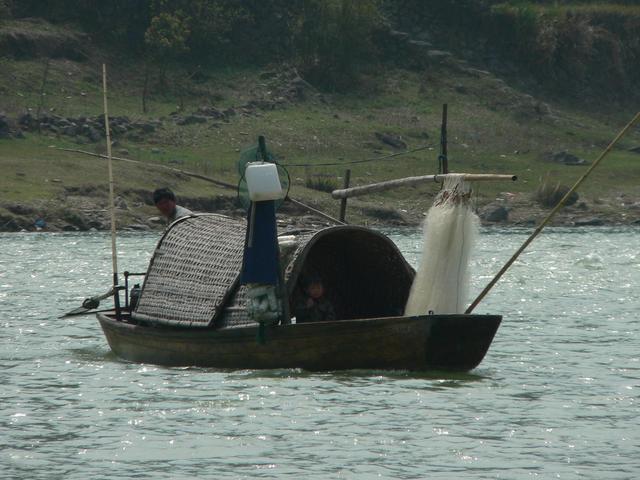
(570, 47)
(461, 16)
(122, 21)
(321, 184)
(574, 50)
(549, 194)
(517, 27)
(333, 40)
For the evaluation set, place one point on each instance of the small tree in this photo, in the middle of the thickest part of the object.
(209, 23)
(165, 40)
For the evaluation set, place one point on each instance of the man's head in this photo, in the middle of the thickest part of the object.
(165, 201)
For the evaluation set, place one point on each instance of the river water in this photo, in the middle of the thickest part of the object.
(557, 396)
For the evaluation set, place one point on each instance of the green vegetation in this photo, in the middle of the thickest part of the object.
(573, 45)
(326, 185)
(486, 134)
(329, 40)
(549, 193)
(348, 95)
(570, 48)
(567, 46)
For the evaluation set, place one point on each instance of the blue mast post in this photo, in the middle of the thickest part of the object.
(261, 270)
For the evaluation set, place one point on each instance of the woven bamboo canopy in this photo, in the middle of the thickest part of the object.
(192, 278)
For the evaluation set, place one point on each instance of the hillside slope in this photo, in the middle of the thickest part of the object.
(200, 120)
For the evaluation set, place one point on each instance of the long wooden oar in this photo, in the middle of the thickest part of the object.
(89, 304)
(553, 212)
(83, 311)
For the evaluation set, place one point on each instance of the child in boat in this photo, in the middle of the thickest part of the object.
(313, 305)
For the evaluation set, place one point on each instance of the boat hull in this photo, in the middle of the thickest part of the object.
(452, 342)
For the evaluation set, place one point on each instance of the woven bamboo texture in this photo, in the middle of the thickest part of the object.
(192, 280)
(193, 272)
(365, 275)
(363, 272)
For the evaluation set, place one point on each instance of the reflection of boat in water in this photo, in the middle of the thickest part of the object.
(193, 310)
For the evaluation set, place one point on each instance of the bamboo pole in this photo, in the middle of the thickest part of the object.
(552, 214)
(408, 181)
(220, 183)
(112, 205)
(315, 211)
(153, 165)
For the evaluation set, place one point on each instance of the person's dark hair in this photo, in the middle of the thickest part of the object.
(310, 279)
(163, 194)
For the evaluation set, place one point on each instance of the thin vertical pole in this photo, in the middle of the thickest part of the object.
(114, 254)
(343, 202)
(444, 160)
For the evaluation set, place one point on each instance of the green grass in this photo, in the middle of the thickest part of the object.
(486, 134)
(36, 172)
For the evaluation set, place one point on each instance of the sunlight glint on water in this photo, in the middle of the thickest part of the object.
(556, 396)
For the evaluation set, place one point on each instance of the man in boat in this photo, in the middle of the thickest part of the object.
(313, 306)
(165, 201)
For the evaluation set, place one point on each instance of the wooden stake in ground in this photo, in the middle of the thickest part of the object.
(112, 204)
(552, 214)
(343, 202)
(443, 159)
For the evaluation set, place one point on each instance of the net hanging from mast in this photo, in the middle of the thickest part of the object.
(441, 284)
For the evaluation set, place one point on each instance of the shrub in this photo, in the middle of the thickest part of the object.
(333, 40)
(321, 184)
(573, 50)
(569, 46)
(549, 194)
(518, 27)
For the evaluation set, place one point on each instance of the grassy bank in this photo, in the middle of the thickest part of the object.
(493, 127)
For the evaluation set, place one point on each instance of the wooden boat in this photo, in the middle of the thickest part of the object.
(442, 342)
(192, 309)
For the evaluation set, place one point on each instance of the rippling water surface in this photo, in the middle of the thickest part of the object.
(557, 396)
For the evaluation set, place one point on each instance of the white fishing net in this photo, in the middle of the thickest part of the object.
(441, 284)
